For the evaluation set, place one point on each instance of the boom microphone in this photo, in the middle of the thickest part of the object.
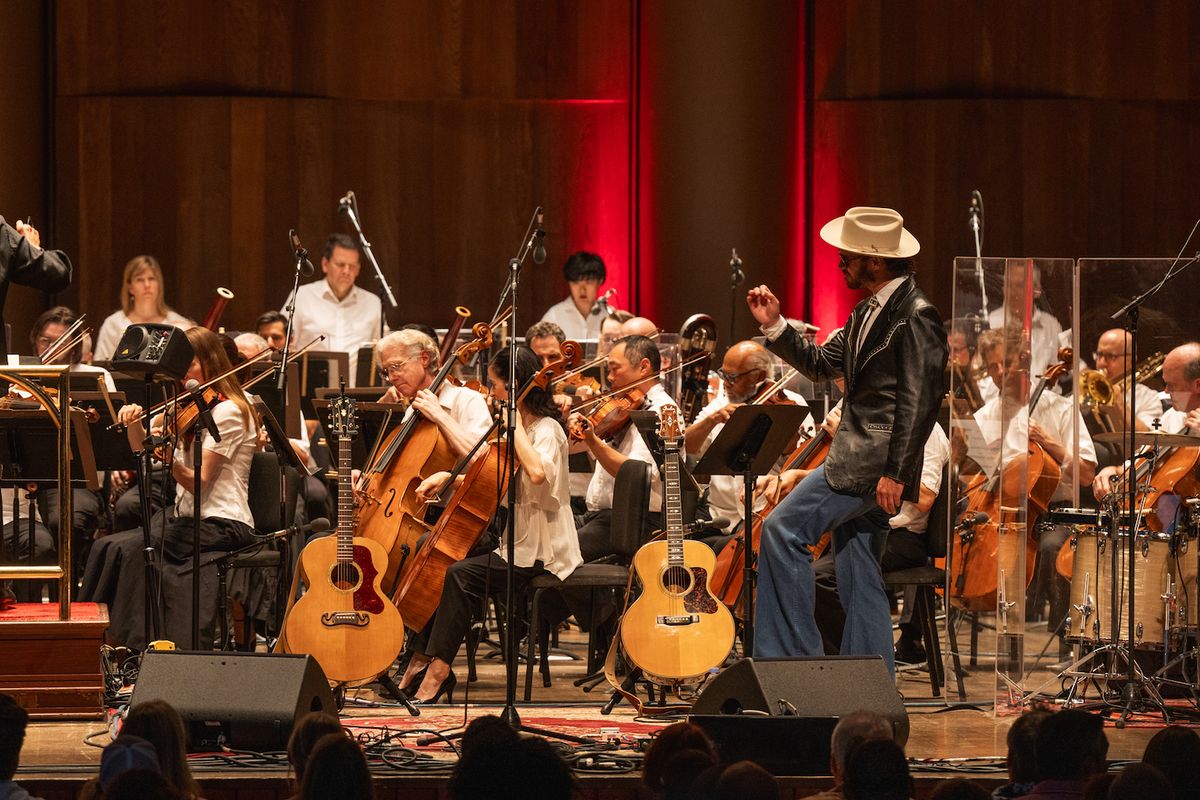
(539, 249)
(302, 263)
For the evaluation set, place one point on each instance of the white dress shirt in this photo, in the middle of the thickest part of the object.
(937, 453)
(114, 327)
(575, 325)
(228, 496)
(347, 324)
(544, 527)
(1045, 337)
(600, 490)
(467, 406)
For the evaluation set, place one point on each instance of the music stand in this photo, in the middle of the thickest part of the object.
(321, 369)
(749, 445)
(373, 423)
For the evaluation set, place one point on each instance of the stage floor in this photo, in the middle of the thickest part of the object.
(947, 737)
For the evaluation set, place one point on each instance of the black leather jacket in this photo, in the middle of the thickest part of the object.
(894, 388)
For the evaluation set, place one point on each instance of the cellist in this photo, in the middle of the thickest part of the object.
(544, 527)
(1003, 353)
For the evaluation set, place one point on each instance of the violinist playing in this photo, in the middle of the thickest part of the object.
(633, 368)
(1005, 357)
(114, 572)
(544, 529)
(745, 372)
(892, 353)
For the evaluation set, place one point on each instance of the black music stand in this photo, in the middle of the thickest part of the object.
(373, 423)
(749, 445)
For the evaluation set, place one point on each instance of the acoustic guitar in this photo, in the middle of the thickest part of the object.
(676, 630)
(344, 620)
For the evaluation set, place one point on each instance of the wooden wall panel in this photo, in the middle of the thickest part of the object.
(211, 186)
(366, 49)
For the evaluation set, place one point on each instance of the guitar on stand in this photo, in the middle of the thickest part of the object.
(344, 620)
(677, 630)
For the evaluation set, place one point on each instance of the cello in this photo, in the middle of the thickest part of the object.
(973, 578)
(389, 510)
(468, 513)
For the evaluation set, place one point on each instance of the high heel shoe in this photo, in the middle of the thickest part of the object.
(447, 688)
(413, 685)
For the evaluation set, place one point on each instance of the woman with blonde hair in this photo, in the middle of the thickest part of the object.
(142, 292)
(114, 572)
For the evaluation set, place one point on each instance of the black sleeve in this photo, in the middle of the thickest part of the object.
(817, 362)
(26, 265)
(921, 358)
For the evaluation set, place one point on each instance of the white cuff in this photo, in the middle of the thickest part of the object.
(775, 329)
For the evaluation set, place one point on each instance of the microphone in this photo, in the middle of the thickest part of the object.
(976, 210)
(601, 304)
(346, 202)
(318, 525)
(202, 405)
(971, 520)
(736, 276)
(539, 249)
(721, 523)
(303, 265)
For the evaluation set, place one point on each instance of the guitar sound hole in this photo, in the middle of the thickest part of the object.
(677, 580)
(345, 577)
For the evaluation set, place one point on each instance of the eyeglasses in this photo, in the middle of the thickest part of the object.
(1107, 356)
(732, 377)
(388, 370)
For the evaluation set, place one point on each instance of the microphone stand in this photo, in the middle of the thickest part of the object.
(281, 379)
(385, 290)
(205, 421)
(736, 276)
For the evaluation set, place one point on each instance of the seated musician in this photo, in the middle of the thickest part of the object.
(115, 569)
(544, 529)
(272, 327)
(610, 330)
(545, 340)
(143, 293)
(348, 315)
(1051, 427)
(578, 315)
(633, 364)
(745, 372)
(409, 360)
(1181, 374)
(1112, 359)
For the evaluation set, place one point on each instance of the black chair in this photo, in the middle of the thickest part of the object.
(631, 498)
(925, 580)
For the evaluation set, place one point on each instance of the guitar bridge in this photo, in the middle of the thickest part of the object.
(354, 618)
(678, 619)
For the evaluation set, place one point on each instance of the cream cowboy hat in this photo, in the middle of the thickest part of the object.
(871, 232)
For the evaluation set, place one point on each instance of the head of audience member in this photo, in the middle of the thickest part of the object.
(126, 752)
(688, 774)
(585, 273)
(610, 330)
(1022, 748)
(309, 730)
(486, 732)
(852, 730)
(47, 328)
(13, 720)
(250, 344)
(210, 360)
(1071, 746)
(336, 770)
(877, 770)
(669, 741)
(634, 360)
(159, 723)
(746, 780)
(272, 327)
(143, 290)
(538, 402)
(341, 263)
(746, 365)
(959, 789)
(545, 339)
(512, 770)
(141, 784)
(423, 328)
(1112, 353)
(1181, 374)
(1143, 782)
(638, 326)
(960, 338)
(1175, 750)
(408, 360)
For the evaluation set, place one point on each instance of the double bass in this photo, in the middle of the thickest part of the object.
(973, 579)
(468, 513)
(389, 510)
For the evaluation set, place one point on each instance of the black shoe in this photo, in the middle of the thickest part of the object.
(909, 651)
(447, 688)
(411, 687)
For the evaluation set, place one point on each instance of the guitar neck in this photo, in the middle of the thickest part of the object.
(673, 503)
(345, 501)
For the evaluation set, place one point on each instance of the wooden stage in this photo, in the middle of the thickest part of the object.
(946, 739)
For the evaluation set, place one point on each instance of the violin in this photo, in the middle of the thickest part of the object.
(183, 421)
(610, 417)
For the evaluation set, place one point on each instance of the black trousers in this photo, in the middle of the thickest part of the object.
(594, 530)
(462, 601)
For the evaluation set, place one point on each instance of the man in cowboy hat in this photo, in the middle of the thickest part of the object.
(892, 353)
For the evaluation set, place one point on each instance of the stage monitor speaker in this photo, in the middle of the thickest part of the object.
(780, 712)
(163, 350)
(248, 701)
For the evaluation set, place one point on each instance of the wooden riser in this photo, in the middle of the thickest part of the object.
(52, 667)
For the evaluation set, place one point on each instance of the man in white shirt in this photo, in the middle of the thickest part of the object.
(633, 361)
(348, 315)
(578, 315)
(1112, 358)
(1046, 332)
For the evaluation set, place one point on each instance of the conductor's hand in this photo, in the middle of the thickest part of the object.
(764, 305)
(887, 494)
(29, 232)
